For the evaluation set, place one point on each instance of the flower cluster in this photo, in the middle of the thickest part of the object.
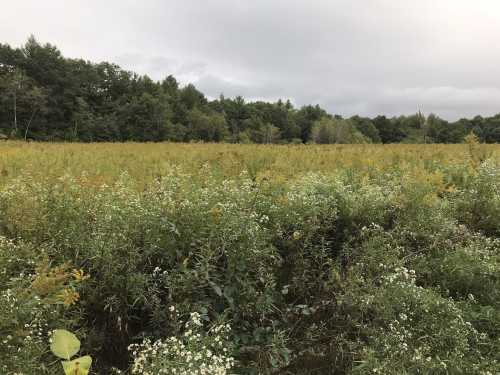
(194, 353)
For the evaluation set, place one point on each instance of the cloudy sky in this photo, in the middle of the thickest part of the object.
(363, 57)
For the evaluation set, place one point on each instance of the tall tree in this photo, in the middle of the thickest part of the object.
(332, 130)
(24, 97)
(48, 97)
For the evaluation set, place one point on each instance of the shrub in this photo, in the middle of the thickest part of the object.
(33, 301)
(357, 270)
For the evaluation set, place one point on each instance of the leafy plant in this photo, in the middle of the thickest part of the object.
(334, 259)
(477, 152)
(65, 345)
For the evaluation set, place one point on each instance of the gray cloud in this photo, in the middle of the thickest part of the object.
(351, 56)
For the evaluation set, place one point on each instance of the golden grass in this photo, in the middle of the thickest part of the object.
(145, 161)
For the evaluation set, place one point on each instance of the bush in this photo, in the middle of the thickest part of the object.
(33, 301)
(352, 272)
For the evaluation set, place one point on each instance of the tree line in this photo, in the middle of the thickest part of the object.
(45, 96)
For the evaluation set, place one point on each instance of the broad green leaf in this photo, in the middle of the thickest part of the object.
(64, 344)
(79, 366)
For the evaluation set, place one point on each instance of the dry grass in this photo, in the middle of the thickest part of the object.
(145, 161)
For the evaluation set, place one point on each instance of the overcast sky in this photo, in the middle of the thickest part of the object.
(364, 57)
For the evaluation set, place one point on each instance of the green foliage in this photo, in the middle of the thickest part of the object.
(367, 128)
(332, 130)
(44, 96)
(354, 271)
(478, 203)
(32, 303)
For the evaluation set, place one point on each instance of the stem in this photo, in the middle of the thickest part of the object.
(28, 125)
(75, 131)
(15, 111)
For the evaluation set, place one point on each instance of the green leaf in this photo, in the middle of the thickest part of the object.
(79, 366)
(216, 289)
(64, 344)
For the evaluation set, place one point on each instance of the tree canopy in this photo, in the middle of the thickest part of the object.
(45, 96)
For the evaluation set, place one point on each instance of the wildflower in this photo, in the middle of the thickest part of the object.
(79, 275)
(69, 297)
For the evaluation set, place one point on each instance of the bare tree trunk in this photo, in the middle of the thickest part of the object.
(15, 112)
(75, 130)
(28, 125)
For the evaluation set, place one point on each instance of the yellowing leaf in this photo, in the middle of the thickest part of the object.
(64, 344)
(79, 366)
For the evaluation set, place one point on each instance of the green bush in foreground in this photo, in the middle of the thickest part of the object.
(326, 274)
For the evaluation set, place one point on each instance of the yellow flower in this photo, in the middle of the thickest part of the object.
(79, 275)
(216, 213)
(450, 189)
(69, 297)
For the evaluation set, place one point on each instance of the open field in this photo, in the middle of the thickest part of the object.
(341, 259)
(146, 161)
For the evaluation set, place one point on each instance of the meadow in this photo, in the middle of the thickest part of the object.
(147, 161)
(169, 258)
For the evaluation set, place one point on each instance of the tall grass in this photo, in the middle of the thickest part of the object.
(147, 161)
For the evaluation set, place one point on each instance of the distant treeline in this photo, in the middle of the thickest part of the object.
(44, 96)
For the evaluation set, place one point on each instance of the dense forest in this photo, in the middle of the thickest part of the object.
(45, 96)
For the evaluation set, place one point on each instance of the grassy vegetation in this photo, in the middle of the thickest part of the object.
(147, 161)
(251, 259)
